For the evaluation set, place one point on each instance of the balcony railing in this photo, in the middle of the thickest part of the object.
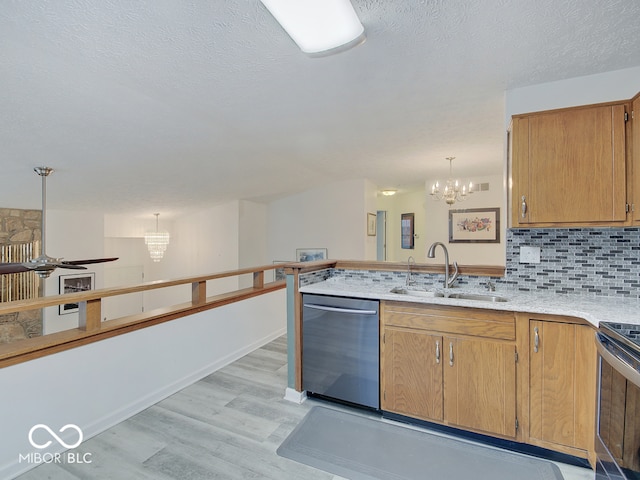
(91, 328)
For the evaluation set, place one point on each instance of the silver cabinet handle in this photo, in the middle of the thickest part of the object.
(437, 352)
(523, 206)
(451, 354)
(536, 340)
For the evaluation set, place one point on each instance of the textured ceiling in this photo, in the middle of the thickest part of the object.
(145, 106)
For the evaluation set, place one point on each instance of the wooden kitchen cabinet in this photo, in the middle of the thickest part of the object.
(561, 385)
(412, 368)
(635, 158)
(568, 167)
(455, 366)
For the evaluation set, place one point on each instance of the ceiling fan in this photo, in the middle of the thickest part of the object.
(44, 264)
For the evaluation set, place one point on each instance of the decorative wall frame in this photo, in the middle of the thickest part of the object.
(278, 273)
(407, 230)
(74, 283)
(310, 254)
(371, 224)
(474, 225)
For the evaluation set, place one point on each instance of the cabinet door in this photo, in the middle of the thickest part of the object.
(480, 385)
(568, 166)
(562, 384)
(412, 374)
(635, 154)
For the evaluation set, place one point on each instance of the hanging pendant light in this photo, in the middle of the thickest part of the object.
(156, 242)
(452, 191)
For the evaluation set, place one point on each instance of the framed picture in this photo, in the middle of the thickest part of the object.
(310, 254)
(77, 282)
(371, 224)
(407, 230)
(278, 273)
(475, 225)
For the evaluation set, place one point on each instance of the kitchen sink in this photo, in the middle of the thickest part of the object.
(477, 296)
(415, 293)
(460, 296)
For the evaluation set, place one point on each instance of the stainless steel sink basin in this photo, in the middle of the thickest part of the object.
(478, 297)
(415, 293)
(459, 296)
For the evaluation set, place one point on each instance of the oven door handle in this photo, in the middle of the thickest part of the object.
(622, 367)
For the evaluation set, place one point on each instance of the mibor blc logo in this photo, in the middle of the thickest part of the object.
(66, 457)
(56, 437)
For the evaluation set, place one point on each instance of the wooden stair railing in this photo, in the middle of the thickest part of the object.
(91, 328)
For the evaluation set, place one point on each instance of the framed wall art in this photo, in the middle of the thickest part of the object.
(310, 254)
(474, 225)
(371, 224)
(74, 283)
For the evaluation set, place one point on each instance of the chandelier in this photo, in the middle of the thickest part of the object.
(156, 242)
(452, 191)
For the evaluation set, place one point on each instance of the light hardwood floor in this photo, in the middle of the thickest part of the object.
(226, 426)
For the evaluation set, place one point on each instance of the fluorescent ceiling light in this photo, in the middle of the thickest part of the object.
(318, 26)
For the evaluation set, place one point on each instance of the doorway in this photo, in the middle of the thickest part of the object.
(381, 237)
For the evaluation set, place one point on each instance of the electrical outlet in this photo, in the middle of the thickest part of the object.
(529, 254)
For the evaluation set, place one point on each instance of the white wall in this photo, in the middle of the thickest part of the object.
(332, 217)
(395, 206)
(216, 239)
(94, 388)
(603, 87)
(432, 225)
(71, 236)
(468, 253)
(252, 238)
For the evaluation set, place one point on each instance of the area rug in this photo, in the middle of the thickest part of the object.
(360, 447)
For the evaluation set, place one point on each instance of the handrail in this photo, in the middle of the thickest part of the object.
(91, 327)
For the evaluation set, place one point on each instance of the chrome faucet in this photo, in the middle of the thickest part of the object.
(448, 282)
(410, 280)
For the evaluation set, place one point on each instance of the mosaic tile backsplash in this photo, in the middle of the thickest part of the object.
(585, 261)
(575, 261)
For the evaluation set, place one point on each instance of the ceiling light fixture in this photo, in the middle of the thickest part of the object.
(319, 27)
(452, 191)
(156, 242)
(389, 192)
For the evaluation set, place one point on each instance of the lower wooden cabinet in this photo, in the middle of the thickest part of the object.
(527, 378)
(562, 386)
(412, 373)
(450, 376)
(480, 385)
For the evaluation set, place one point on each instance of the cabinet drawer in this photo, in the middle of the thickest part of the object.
(450, 320)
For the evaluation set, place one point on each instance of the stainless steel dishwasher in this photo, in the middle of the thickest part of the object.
(340, 349)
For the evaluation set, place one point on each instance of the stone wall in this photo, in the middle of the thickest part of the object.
(19, 227)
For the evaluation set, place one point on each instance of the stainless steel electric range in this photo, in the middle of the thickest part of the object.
(618, 427)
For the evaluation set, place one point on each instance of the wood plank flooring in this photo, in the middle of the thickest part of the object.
(226, 426)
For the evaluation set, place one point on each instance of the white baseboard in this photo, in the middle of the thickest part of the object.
(292, 395)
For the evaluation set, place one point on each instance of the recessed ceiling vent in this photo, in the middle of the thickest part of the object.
(480, 187)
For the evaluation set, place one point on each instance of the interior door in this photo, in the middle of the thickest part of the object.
(381, 236)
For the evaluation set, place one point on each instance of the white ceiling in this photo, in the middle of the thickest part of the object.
(159, 106)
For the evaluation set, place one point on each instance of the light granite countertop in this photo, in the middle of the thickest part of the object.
(592, 309)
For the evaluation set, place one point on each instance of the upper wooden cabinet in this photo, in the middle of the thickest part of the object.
(635, 158)
(568, 167)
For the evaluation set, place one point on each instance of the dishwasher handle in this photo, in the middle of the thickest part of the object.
(327, 308)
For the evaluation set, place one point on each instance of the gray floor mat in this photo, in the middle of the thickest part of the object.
(361, 448)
